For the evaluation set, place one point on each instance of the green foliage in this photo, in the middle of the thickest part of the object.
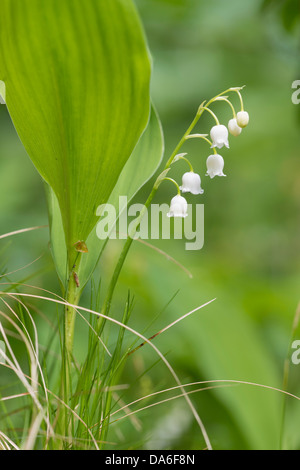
(78, 94)
(141, 165)
(289, 11)
(249, 260)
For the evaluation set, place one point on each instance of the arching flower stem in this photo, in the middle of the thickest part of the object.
(201, 136)
(240, 97)
(205, 108)
(223, 98)
(174, 182)
(182, 157)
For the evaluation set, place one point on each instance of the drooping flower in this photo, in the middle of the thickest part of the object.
(233, 127)
(219, 136)
(191, 183)
(178, 207)
(215, 166)
(242, 118)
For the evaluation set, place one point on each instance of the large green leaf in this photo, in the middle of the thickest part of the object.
(77, 89)
(142, 164)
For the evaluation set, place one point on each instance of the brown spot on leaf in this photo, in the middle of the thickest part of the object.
(76, 279)
(81, 247)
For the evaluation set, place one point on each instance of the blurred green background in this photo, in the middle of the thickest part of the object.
(250, 260)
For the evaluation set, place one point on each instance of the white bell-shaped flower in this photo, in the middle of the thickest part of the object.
(191, 183)
(178, 207)
(215, 166)
(242, 118)
(233, 127)
(219, 136)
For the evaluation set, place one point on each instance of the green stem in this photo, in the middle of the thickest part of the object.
(182, 140)
(231, 106)
(241, 100)
(121, 260)
(115, 276)
(181, 157)
(174, 182)
(200, 136)
(213, 115)
(72, 296)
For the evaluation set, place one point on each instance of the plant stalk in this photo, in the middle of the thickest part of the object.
(72, 296)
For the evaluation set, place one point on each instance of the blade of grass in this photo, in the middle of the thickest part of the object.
(157, 351)
(172, 324)
(23, 230)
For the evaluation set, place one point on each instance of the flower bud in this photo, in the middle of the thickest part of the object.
(242, 118)
(233, 127)
(215, 166)
(191, 183)
(178, 207)
(219, 136)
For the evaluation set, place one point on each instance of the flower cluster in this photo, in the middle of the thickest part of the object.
(219, 135)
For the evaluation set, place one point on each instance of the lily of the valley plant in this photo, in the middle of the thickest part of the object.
(75, 77)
